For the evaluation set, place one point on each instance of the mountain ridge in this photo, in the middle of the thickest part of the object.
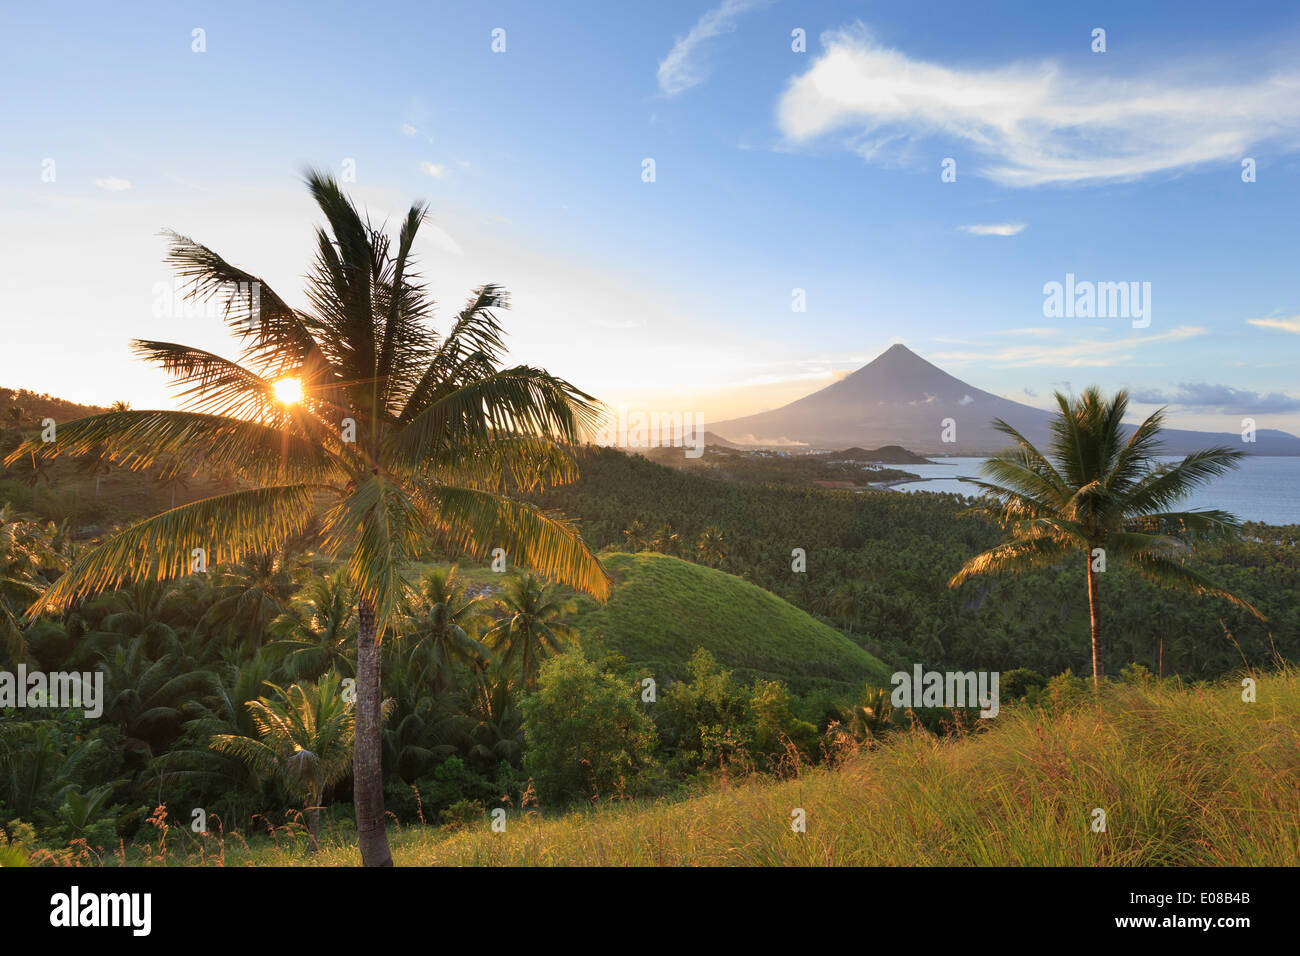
(899, 398)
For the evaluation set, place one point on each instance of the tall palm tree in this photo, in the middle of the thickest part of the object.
(354, 412)
(305, 739)
(1100, 491)
(530, 625)
(97, 464)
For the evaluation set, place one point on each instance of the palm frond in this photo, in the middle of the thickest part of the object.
(1169, 484)
(518, 401)
(1013, 557)
(379, 527)
(275, 336)
(139, 440)
(1171, 573)
(225, 527)
(479, 521)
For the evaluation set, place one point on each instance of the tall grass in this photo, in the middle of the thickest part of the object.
(1185, 775)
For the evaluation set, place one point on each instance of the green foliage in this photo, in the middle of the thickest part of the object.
(900, 550)
(461, 815)
(587, 737)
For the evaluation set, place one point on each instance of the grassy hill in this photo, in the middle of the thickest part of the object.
(663, 608)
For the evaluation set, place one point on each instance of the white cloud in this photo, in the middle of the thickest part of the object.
(408, 129)
(1091, 353)
(1036, 123)
(113, 184)
(995, 229)
(432, 169)
(1286, 325)
(683, 67)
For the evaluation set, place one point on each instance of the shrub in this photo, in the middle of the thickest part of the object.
(586, 734)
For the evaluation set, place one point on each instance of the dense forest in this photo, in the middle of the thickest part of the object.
(878, 564)
(198, 669)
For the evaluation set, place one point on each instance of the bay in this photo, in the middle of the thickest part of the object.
(1262, 489)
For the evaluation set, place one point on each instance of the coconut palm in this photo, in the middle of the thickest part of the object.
(1101, 495)
(636, 536)
(710, 547)
(666, 540)
(97, 464)
(305, 739)
(249, 594)
(530, 625)
(318, 632)
(354, 414)
(439, 628)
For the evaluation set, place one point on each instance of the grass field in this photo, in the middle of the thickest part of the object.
(663, 608)
(1186, 776)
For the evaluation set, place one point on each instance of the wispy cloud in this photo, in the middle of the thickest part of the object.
(433, 169)
(408, 130)
(995, 229)
(113, 184)
(685, 65)
(1091, 353)
(1220, 398)
(1036, 123)
(1286, 325)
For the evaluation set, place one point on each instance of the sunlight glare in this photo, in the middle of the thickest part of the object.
(288, 391)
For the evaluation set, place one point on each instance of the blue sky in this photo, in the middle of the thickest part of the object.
(775, 170)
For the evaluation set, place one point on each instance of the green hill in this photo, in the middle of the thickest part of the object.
(662, 609)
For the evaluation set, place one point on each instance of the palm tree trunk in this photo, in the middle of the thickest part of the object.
(1093, 620)
(313, 820)
(367, 772)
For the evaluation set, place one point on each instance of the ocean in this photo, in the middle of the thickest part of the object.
(1261, 489)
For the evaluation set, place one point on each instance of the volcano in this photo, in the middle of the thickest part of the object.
(901, 399)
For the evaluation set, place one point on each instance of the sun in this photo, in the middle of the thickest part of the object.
(288, 391)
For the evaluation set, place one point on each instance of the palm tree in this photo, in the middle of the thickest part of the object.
(1099, 491)
(250, 594)
(305, 738)
(97, 464)
(173, 481)
(355, 408)
(439, 628)
(530, 625)
(635, 534)
(848, 601)
(710, 547)
(30, 558)
(498, 731)
(318, 632)
(666, 540)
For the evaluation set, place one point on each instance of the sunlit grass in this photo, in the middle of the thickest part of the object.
(1187, 776)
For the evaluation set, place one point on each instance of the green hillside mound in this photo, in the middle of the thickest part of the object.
(661, 609)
